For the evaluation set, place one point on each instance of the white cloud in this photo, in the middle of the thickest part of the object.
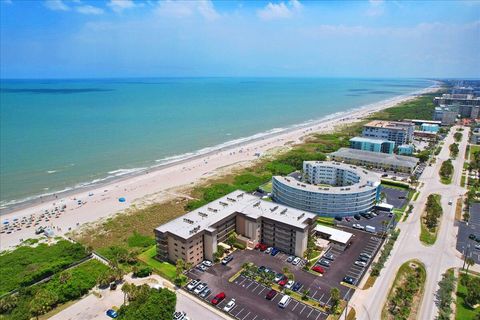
(279, 10)
(120, 5)
(56, 5)
(183, 9)
(88, 9)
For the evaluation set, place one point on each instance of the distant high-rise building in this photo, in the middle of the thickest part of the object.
(398, 132)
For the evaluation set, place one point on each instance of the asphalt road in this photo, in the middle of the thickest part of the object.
(438, 257)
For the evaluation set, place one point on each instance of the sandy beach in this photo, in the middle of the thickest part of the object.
(163, 183)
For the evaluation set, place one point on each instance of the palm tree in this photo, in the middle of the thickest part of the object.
(469, 262)
(126, 289)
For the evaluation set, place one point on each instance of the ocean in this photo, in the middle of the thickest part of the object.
(61, 134)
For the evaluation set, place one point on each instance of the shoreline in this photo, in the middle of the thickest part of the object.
(156, 183)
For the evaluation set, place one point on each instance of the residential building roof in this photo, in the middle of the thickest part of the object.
(377, 157)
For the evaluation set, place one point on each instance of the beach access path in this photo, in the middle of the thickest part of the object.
(168, 182)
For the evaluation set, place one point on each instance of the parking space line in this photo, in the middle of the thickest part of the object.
(246, 315)
(310, 313)
(239, 312)
(296, 305)
(255, 317)
(258, 284)
(304, 306)
(245, 278)
(318, 315)
(232, 310)
(250, 284)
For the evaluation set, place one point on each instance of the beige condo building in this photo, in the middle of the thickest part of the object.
(196, 235)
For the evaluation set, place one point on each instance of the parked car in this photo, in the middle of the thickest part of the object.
(261, 269)
(207, 263)
(283, 282)
(290, 259)
(218, 298)
(358, 226)
(113, 286)
(370, 229)
(471, 236)
(230, 305)
(477, 246)
(363, 259)
(324, 262)
(269, 250)
(179, 315)
(329, 256)
(289, 284)
(338, 218)
(284, 301)
(201, 267)
(296, 261)
(261, 246)
(205, 292)
(360, 263)
(226, 260)
(193, 284)
(200, 288)
(318, 269)
(271, 294)
(357, 217)
(348, 219)
(279, 276)
(296, 286)
(274, 252)
(112, 313)
(349, 280)
(366, 255)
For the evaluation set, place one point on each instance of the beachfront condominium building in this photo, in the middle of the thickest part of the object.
(329, 189)
(398, 132)
(196, 235)
(368, 159)
(430, 127)
(371, 144)
(447, 115)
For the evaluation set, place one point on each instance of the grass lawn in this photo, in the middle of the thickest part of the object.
(463, 311)
(446, 180)
(398, 214)
(408, 268)
(426, 237)
(473, 148)
(267, 187)
(415, 196)
(164, 269)
(328, 221)
(462, 180)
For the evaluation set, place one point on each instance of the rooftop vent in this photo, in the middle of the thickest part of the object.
(212, 209)
(284, 211)
(240, 195)
(188, 221)
(301, 216)
(256, 204)
(274, 208)
(223, 203)
(201, 214)
(231, 199)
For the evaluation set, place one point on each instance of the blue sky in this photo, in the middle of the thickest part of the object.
(150, 38)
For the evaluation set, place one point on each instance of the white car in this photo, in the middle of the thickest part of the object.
(207, 263)
(477, 246)
(358, 226)
(269, 249)
(193, 284)
(289, 284)
(230, 305)
(200, 288)
(360, 263)
(296, 261)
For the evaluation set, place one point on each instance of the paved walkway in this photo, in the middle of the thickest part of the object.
(438, 257)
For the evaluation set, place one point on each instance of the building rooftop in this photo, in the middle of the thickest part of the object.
(420, 121)
(237, 201)
(388, 124)
(335, 234)
(367, 180)
(383, 158)
(369, 140)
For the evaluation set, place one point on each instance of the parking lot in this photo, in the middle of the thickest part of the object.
(376, 222)
(396, 197)
(251, 303)
(465, 245)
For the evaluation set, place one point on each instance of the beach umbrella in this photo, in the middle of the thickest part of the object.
(121, 199)
(16, 219)
(6, 222)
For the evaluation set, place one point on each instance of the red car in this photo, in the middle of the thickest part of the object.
(348, 219)
(318, 269)
(218, 298)
(261, 246)
(283, 281)
(271, 294)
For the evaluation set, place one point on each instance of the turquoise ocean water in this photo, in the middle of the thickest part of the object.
(60, 134)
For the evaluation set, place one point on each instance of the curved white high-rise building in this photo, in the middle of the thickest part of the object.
(329, 189)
